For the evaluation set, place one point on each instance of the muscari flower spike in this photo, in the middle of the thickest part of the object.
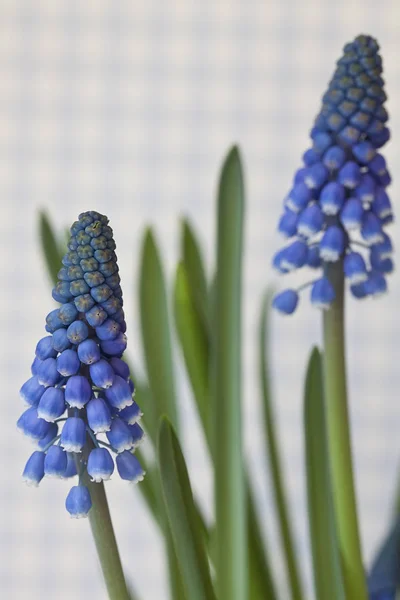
(338, 206)
(80, 389)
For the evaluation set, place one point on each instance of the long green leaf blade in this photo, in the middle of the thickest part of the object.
(183, 518)
(156, 333)
(324, 542)
(50, 248)
(231, 563)
(275, 461)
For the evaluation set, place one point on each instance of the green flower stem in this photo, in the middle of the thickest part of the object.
(339, 441)
(106, 544)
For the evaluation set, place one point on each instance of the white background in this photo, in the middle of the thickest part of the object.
(128, 108)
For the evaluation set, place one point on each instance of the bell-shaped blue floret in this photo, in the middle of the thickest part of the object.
(55, 462)
(129, 467)
(77, 391)
(310, 157)
(385, 248)
(35, 365)
(365, 191)
(322, 293)
(108, 330)
(298, 197)
(53, 321)
(378, 165)
(34, 469)
(120, 436)
(77, 332)
(52, 404)
(294, 256)
(44, 348)
(102, 374)
(47, 372)
(78, 502)
(114, 347)
(31, 425)
(371, 229)
(321, 142)
(350, 175)
(120, 367)
(98, 415)
(351, 215)
(70, 469)
(68, 363)
(286, 302)
(119, 394)
(311, 221)
(381, 205)
(334, 158)
(364, 152)
(60, 340)
(73, 435)
(32, 391)
(332, 244)
(89, 352)
(313, 257)
(354, 268)
(383, 265)
(332, 197)
(68, 313)
(137, 434)
(316, 176)
(131, 414)
(49, 438)
(288, 223)
(375, 284)
(100, 465)
(277, 261)
(358, 291)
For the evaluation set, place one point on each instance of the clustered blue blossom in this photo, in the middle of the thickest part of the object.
(80, 392)
(338, 206)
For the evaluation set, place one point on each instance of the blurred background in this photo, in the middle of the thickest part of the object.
(128, 108)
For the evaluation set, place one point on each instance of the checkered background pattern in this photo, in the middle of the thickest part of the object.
(128, 108)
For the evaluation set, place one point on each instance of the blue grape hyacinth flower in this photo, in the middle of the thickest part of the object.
(80, 390)
(338, 206)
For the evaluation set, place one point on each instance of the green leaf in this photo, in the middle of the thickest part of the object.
(275, 461)
(50, 248)
(324, 541)
(156, 330)
(183, 517)
(194, 343)
(197, 282)
(231, 562)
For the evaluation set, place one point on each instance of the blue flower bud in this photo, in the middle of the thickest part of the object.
(364, 152)
(310, 157)
(84, 302)
(31, 425)
(88, 352)
(52, 404)
(61, 292)
(68, 313)
(79, 287)
(35, 365)
(381, 205)
(114, 347)
(332, 244)
(53, 321)
(313, 257)
(375, 284)
(55, 462)
(47, 372)
(349, 135)
(334, 158)
(352, 213)
(299, 197)
(102, 374)
(358, 291)
(70, 469)
(371, 229)
(131, 387)
(34, 469)
(49, 437)
(332, 198)
(68, 363)
(350, 175)
(322, 293)
(311, 221)
(94, 278)
(112, 305)
(119, 394)
(73, 435)
(129, 468)
(96, 316)
(74, 272)
(385, 247)
(98, 415)
(60, 340)
(378, 165)
(108, 330)
(77, 391)
(286, 302)
(101, 292)
(365, 191)
(294, 256)
(78, 502)
(100, 465)
(120, 367)
(131, 414)
(354, 268)
(77, 332)
(288, 223)
(32, 391)
(119, 436)
(44, 348)
(316, 176)
(137, 434)
(322, 141)
(383, 265)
